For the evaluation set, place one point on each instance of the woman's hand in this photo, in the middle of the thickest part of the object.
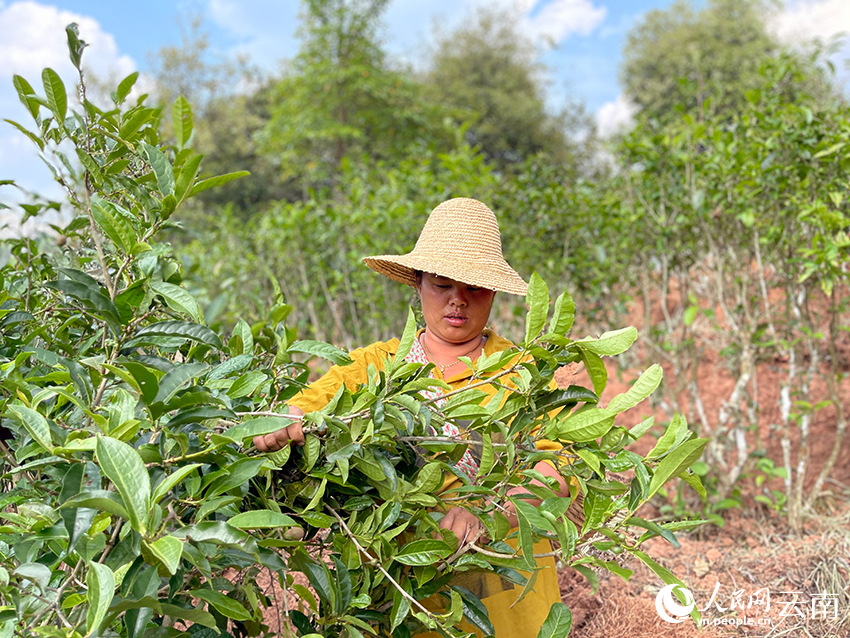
(463, 523)
(284, 436)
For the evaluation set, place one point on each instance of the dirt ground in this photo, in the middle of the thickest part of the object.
(733, 571)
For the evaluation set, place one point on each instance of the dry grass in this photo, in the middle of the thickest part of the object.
(748, 554)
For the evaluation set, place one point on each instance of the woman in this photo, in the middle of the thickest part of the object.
(456, 267)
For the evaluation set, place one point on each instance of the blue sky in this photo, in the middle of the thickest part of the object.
(580, 42)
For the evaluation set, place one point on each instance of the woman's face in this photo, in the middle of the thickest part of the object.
(454, 312)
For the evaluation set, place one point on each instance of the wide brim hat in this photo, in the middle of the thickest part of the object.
(460, 241)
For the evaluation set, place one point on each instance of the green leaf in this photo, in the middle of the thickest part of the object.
(429, 478)
(596, 370)
(610, 343)
(84, 288)
(236, 364)
(563, 315)
(642, 388)
(423, 552)
(407, 337)
(100, 582)
(168, 551)
(316, 573)
(124, 467)
(256, 427)
(590, 458)
(247, 384)
(173, 479)
(641, 428)
(537, 300)
(695, 482)
(655, 528)
(173, 380)
(79, 519)
(676, 429)
(829, 151)
(590, 575)
(162, 169)
(114, 224)
(144, 376)
(587, 425)
(399, 611)
(125, 86)
(35, 424)
(35, 572)
(488, 457)
(178, 299)
(675, 463)
(75, 45)
(225, 605)
(57, 98)
(26, 94)
(526, 544)
(216, 181)
(101, 500)
(181, 120)
(474, 611)
(261, 519)
(666, 575)
(321, 349)
(193, 331)
(557, 623)
(32, 136)
(187, 175)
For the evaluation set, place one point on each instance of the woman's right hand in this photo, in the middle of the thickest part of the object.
(284, 436)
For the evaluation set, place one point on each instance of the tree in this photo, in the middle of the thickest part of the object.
(227, 94)
(703, 61)
(340, 98)
(489, 73)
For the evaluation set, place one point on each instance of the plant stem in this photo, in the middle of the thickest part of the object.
(487, 381)
(375, 563)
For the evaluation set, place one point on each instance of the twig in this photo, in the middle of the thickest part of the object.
(100, 256)
(111, 542)
(487, 381)
(493, 554)
(294, 417)
(472, 442)
(375, 563)
(59, 592)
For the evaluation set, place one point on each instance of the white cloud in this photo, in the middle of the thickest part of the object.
(34, 38)
(612, 117)
(558, 19)
(802, 21)
(805, 19)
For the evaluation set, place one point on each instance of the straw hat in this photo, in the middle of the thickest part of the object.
(460, 241)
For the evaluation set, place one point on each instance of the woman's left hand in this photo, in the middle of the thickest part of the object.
(464, 524)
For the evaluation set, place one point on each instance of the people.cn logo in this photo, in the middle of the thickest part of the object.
(669, 609)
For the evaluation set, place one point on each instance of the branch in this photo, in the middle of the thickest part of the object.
(375, 563)
(100, 256)
(487, 381)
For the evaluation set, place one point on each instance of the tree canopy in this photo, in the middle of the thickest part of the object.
(697, 60)
(340, 98)
(488, 71)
